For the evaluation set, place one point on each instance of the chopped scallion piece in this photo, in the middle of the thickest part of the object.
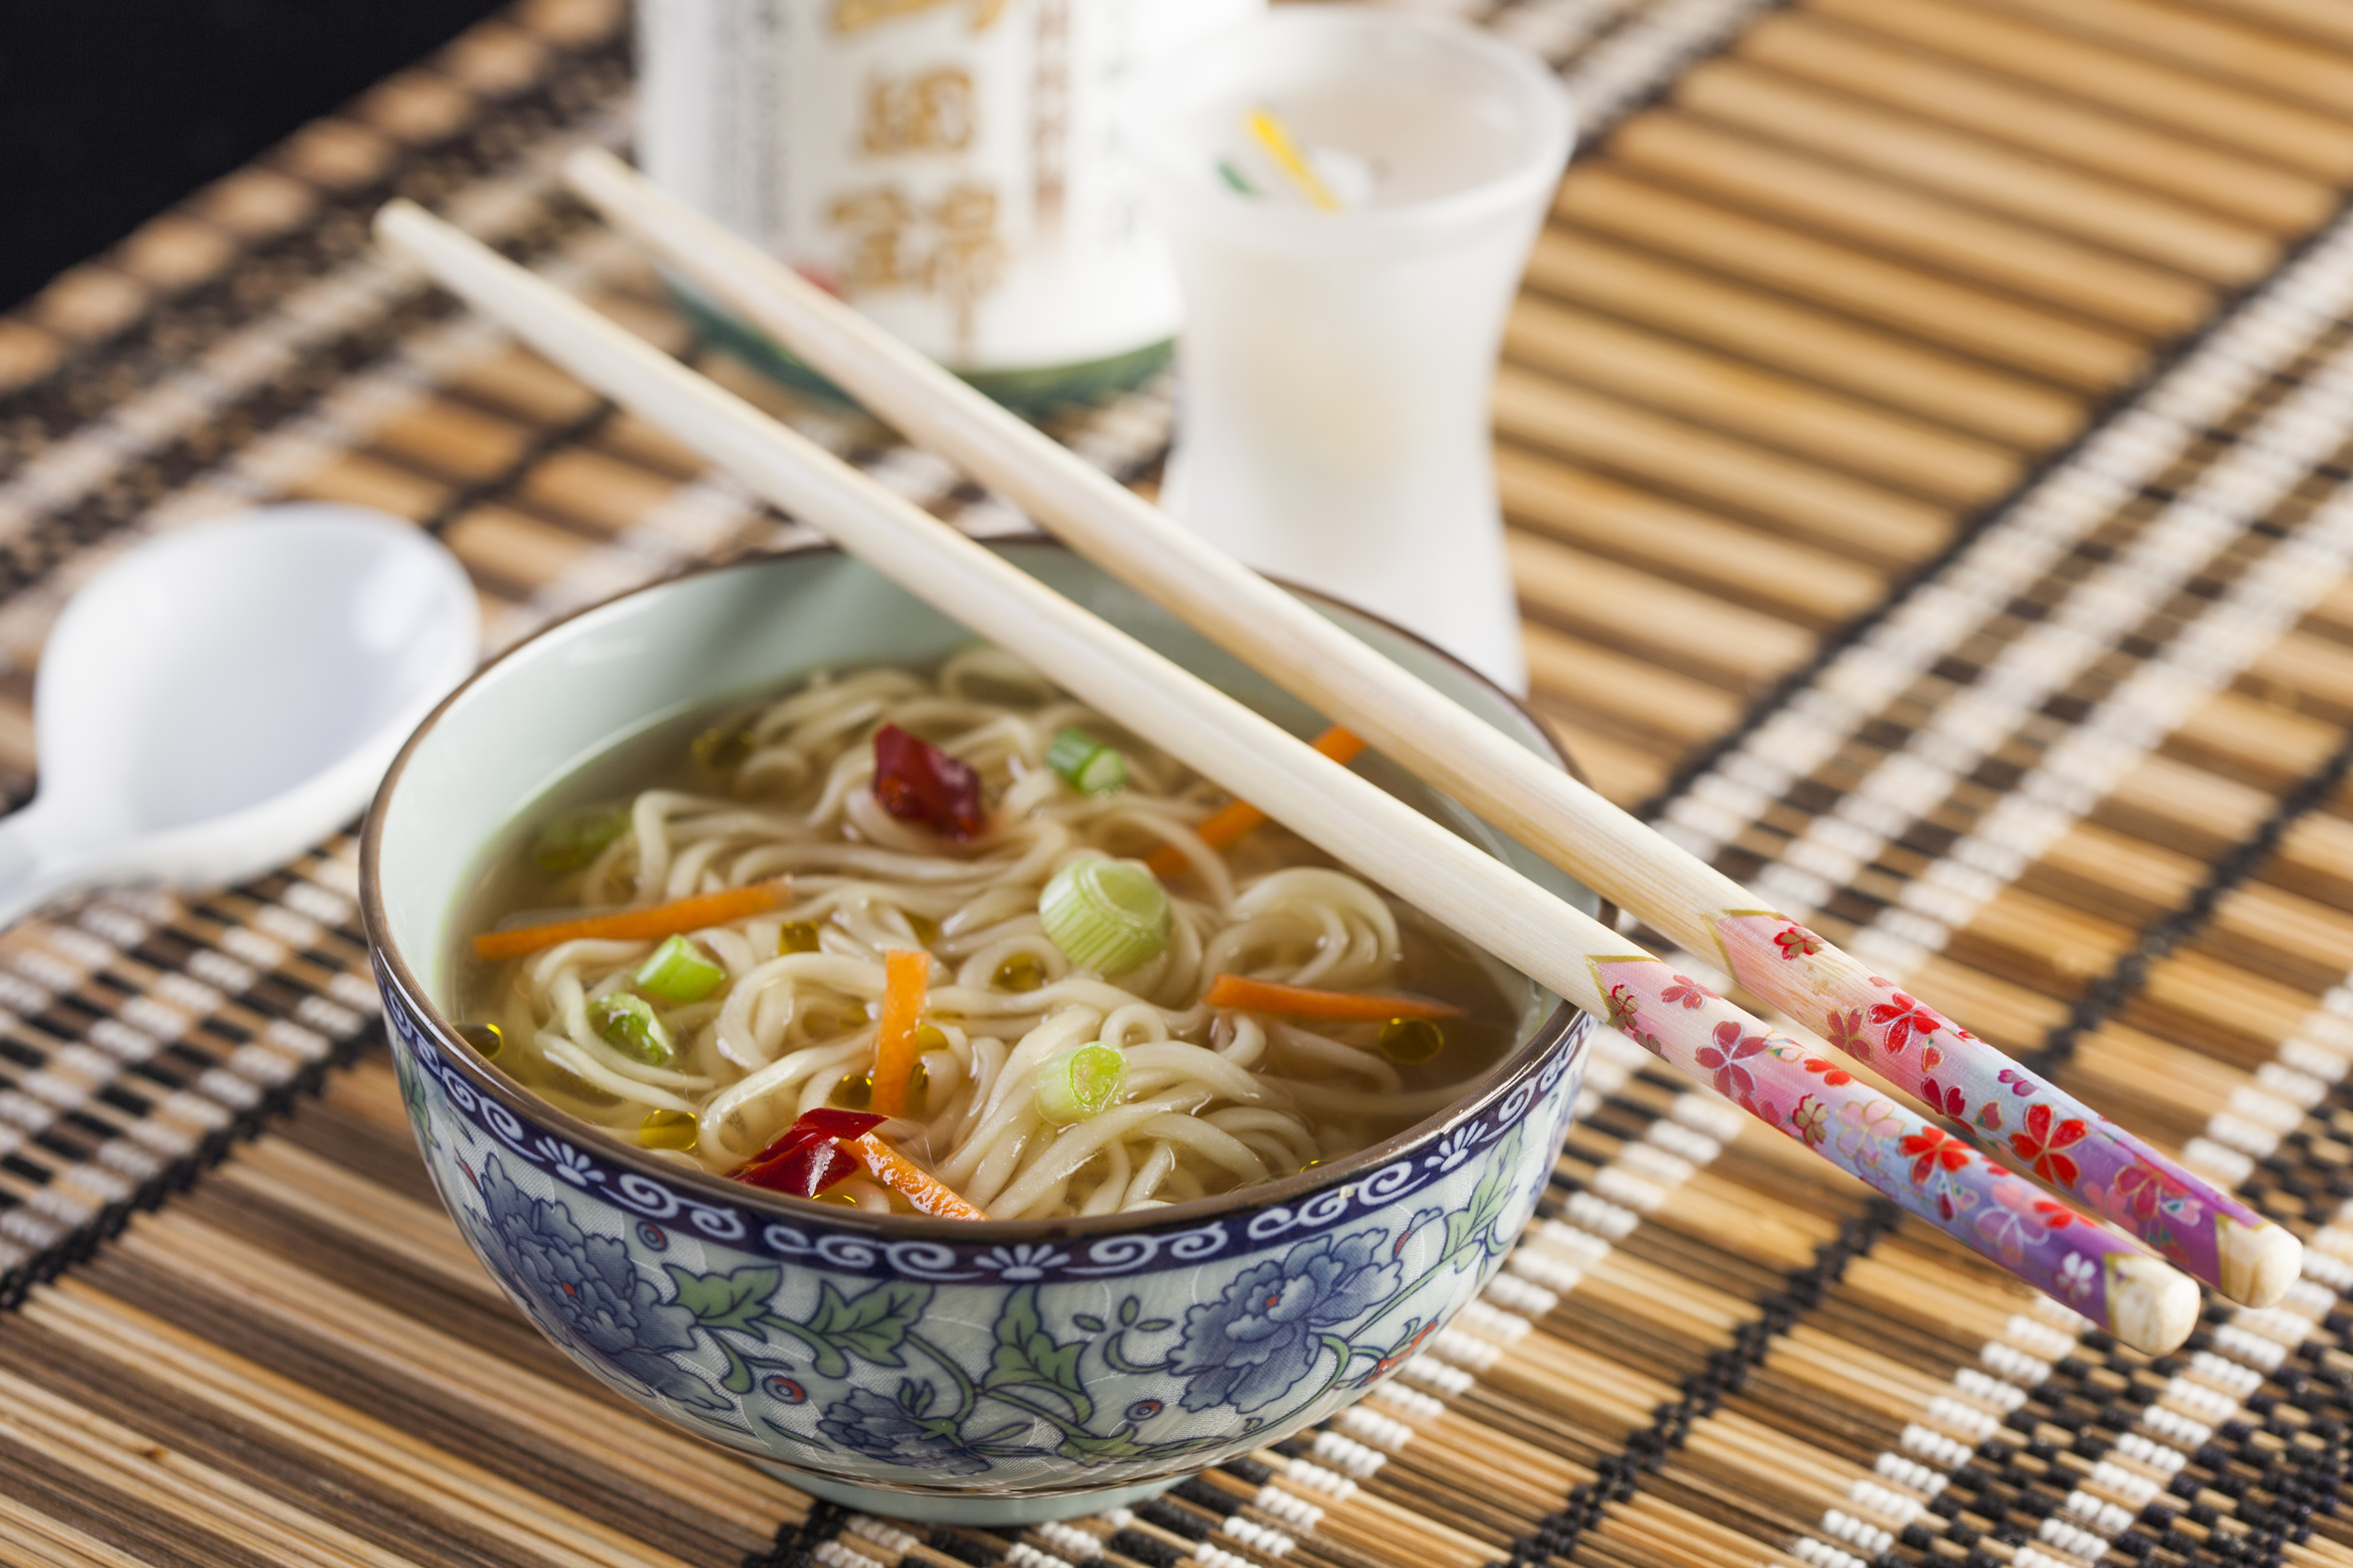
(1106, 915)
(577, 837)
(797, 936)
(630, 1026)
(677, 971)
(1079, 1082)
(1087, 765)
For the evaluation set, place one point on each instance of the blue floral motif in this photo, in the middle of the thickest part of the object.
(899, 1432)
(978, 1364)
(1022, 1261)
(585, 1291)
(1452, 1149)
(569, 1163)
(1247, 1347)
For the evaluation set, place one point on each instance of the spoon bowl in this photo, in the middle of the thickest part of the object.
(221, 698)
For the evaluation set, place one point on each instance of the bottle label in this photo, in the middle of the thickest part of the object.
(956, 168)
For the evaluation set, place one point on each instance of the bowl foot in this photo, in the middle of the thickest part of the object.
(969, 1508)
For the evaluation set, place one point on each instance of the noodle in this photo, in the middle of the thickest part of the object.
(1211, 1100)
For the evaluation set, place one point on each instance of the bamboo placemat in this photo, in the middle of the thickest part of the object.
(1925, 433)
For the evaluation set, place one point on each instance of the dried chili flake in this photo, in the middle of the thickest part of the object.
(918, 782)
(805, 1160)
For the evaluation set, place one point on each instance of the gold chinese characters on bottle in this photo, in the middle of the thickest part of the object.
(956, 168)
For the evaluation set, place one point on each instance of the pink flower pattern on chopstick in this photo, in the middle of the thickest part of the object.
(1864, 1127)
(1724, 1057)
(2177, 1213)
(1797, 942)
(2021, 1217)
(1812, 1121)
(1687, 993)
(1933, 1147)
(2039, 1144)
(1903, 1019)
(1817, 1100)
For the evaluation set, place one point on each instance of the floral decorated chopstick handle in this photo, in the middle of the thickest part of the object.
(1923, 1168)
(2069, 1145)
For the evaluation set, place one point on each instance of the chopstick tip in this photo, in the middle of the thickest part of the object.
(397, 220)
(2152, 1307)
(2259, 1265)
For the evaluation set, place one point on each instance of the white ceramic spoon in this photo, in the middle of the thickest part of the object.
(223, 697)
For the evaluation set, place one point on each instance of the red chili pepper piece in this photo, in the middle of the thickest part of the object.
(832, 1121)
(803, 1172)
(804, 1160)
(918, 782)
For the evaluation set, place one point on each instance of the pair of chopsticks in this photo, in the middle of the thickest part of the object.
(2073, 1148)
(1802, 1093)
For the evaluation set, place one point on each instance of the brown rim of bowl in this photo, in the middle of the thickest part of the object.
(489, 1078)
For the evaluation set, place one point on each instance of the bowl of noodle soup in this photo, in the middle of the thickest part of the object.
(1108, 1209)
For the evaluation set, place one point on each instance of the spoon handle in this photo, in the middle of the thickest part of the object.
(32, 868)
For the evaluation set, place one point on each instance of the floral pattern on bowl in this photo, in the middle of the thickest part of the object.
(1037, 1367)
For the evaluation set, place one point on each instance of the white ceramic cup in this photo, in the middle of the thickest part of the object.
(1335, 364)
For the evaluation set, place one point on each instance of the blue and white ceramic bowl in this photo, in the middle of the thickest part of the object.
(932, 1369)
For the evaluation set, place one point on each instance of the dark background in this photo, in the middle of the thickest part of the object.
(111, 110)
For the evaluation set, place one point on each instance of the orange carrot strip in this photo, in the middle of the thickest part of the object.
(1230, 822)
(637, 925)
(909, 1181)
(906, 975)
(1344, 1007)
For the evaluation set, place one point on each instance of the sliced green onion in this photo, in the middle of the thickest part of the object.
(1087, 765)
(629, 1025)
(678, 971)
(578, 836)
(796, 936)
(1082, 1081)
(1106, 915)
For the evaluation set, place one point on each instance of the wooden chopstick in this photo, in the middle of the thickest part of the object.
(2144, 1302)
(2069, 1145)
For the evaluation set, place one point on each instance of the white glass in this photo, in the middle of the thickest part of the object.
(1335, 366)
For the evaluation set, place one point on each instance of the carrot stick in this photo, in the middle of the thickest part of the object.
(1344, 1007)
(1230, 822)
(635, 925)
(904, 977)
(909, 1181)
